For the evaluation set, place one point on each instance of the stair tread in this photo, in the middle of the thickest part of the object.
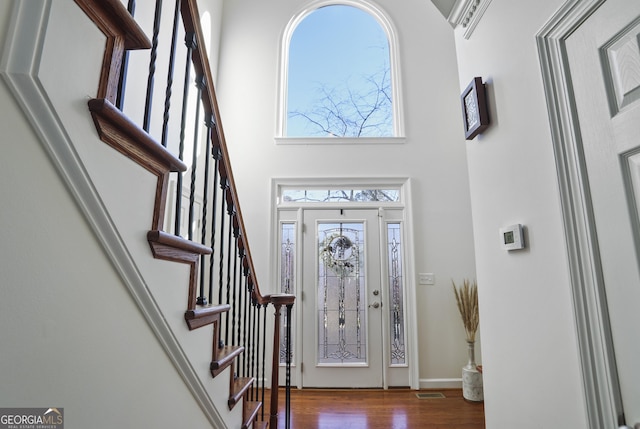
(203, 316)
(227, 353)
(208, 310)
(225, 357)
(116, 129)
(238, 388)
(250, 412)
(178, 242)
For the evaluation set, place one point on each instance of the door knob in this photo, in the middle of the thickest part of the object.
(375, 305)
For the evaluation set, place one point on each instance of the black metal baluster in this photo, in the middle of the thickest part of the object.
(172, 59)
(202, 299)
(122, 82)
(223, 202)
(190, 42)
(152, 65)
(252, 341)
(288, 369)
(241, 317)
(221, 255)
(248, 343)
(228, 301)
(215, 154)
(245, 324)
(257, 349)
(194, 157)
(233, 292)
(264, 355)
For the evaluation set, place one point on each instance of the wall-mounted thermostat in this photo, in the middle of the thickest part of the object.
(511, 237)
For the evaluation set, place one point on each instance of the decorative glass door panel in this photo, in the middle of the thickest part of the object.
(342, 327)
(396, 294)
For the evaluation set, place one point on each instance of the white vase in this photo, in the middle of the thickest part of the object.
(471, 353)
(471, 377)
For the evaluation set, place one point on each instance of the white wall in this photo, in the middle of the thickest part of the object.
(433, 156)
(71, 335)
(531, 365)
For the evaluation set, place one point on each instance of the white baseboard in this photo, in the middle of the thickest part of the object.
(441, 383)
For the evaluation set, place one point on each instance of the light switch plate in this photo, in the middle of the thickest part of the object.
(426, 279)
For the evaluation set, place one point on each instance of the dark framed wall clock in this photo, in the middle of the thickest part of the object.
(475, 114)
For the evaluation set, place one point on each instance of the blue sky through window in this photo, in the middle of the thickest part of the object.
(336, 49)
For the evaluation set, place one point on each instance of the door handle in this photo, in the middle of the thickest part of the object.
(375, 305)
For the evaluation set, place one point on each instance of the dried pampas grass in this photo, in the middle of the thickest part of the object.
(467, 300)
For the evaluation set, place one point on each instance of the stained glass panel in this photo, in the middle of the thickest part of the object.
(396, 298)
(287, 279)
(340, 294)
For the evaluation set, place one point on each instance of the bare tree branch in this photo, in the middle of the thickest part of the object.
(363, 111)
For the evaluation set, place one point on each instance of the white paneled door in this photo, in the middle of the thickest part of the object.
(604, 59)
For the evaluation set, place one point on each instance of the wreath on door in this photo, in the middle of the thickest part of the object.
(338, 253)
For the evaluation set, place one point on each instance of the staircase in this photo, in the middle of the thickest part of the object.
(208, 234)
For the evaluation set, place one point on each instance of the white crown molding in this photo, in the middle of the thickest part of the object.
(594, 339)
(467, 14)
(26, 34)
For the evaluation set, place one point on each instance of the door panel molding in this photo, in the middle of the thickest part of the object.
(621, 59)
(599, 375)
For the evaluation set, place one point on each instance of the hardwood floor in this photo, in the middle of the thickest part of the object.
(380, 409)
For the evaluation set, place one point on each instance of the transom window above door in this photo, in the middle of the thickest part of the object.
(339, 77)
(342, 195)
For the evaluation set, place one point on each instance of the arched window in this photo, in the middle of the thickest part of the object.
(339, 74)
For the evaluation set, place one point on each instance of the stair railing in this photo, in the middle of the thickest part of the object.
(196, 195)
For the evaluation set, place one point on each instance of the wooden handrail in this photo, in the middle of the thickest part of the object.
(201, 64)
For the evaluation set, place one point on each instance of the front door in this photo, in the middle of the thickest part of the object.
(604, 60)
(342, 299)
